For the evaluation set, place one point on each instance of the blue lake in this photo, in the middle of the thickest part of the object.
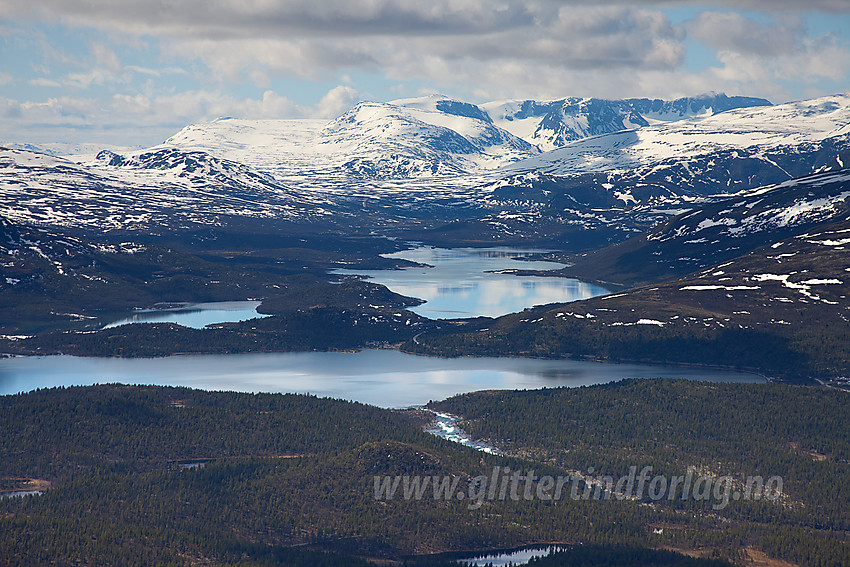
(384, 378)
(465, 282)
(458, 285)
(195, 315)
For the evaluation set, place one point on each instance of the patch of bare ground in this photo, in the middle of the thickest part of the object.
(758, 558)
(24, 484)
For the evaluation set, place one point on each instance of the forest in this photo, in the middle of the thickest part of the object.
(135, 475)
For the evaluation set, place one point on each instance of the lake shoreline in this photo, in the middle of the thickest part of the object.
(381, 377)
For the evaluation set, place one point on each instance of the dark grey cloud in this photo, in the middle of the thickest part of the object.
(756, 5)
(581, 38)
(250, 18)
(485, 49)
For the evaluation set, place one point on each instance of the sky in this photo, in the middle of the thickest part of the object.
(133, 72)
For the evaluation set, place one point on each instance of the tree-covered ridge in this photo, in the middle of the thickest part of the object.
(54, 432)
(798, 433)
(286, 477)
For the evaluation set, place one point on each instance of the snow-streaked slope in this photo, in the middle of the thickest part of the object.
(76, 151)
(719, 231)
(412, 138)
(657, 110)
(759, 128)
(819, 198)
(432, 159)
(553, 124)
(427, 136)
(424, 138)
(286, 149)
(150, 191)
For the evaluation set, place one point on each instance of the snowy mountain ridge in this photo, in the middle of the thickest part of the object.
(553, 124)
(785, 125)
(429, 136)
(435, 159)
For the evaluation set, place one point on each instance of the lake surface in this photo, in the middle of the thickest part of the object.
(457, 285)
(195, 315)
(383, 378)
(20, 493)
(518, 557)
(462, 282)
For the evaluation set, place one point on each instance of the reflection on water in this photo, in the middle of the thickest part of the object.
(461, 282)
(20, 493)
(518, 557)
(380, 377)
(195, 315)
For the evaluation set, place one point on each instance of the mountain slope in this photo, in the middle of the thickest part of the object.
(771, 293)
(554, 124)
(426, 136)
(550, 125)
(721, 231)
(154, 191)
(753, 129)
(659, 167)
(439, 166)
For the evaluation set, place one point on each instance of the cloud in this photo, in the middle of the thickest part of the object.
(257, 18)
(758, 53)
(730, 31)
(612, 37)
(105, 57)
(163, 64)
(439, 42)
(335, 102)
(309, 18)
(159, 116)
(303, 37)
(155, 72)
(44, 82)
(757, 5)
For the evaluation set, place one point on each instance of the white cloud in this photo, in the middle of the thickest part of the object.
(477, 49)
(335, 102)
(155, 72)
(105, 57)
(44, 82)
(759, 55)
(258, 18)
(156, 116)
(730, 31)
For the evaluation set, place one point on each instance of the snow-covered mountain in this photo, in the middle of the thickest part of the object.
(441, 160)
(427, 137)
(658, 110)
(433, 136)
(153, 191)
(786, 125)
(553, 124)
(722, 230)
(80, 150)
(290, 150)
(723, 153)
